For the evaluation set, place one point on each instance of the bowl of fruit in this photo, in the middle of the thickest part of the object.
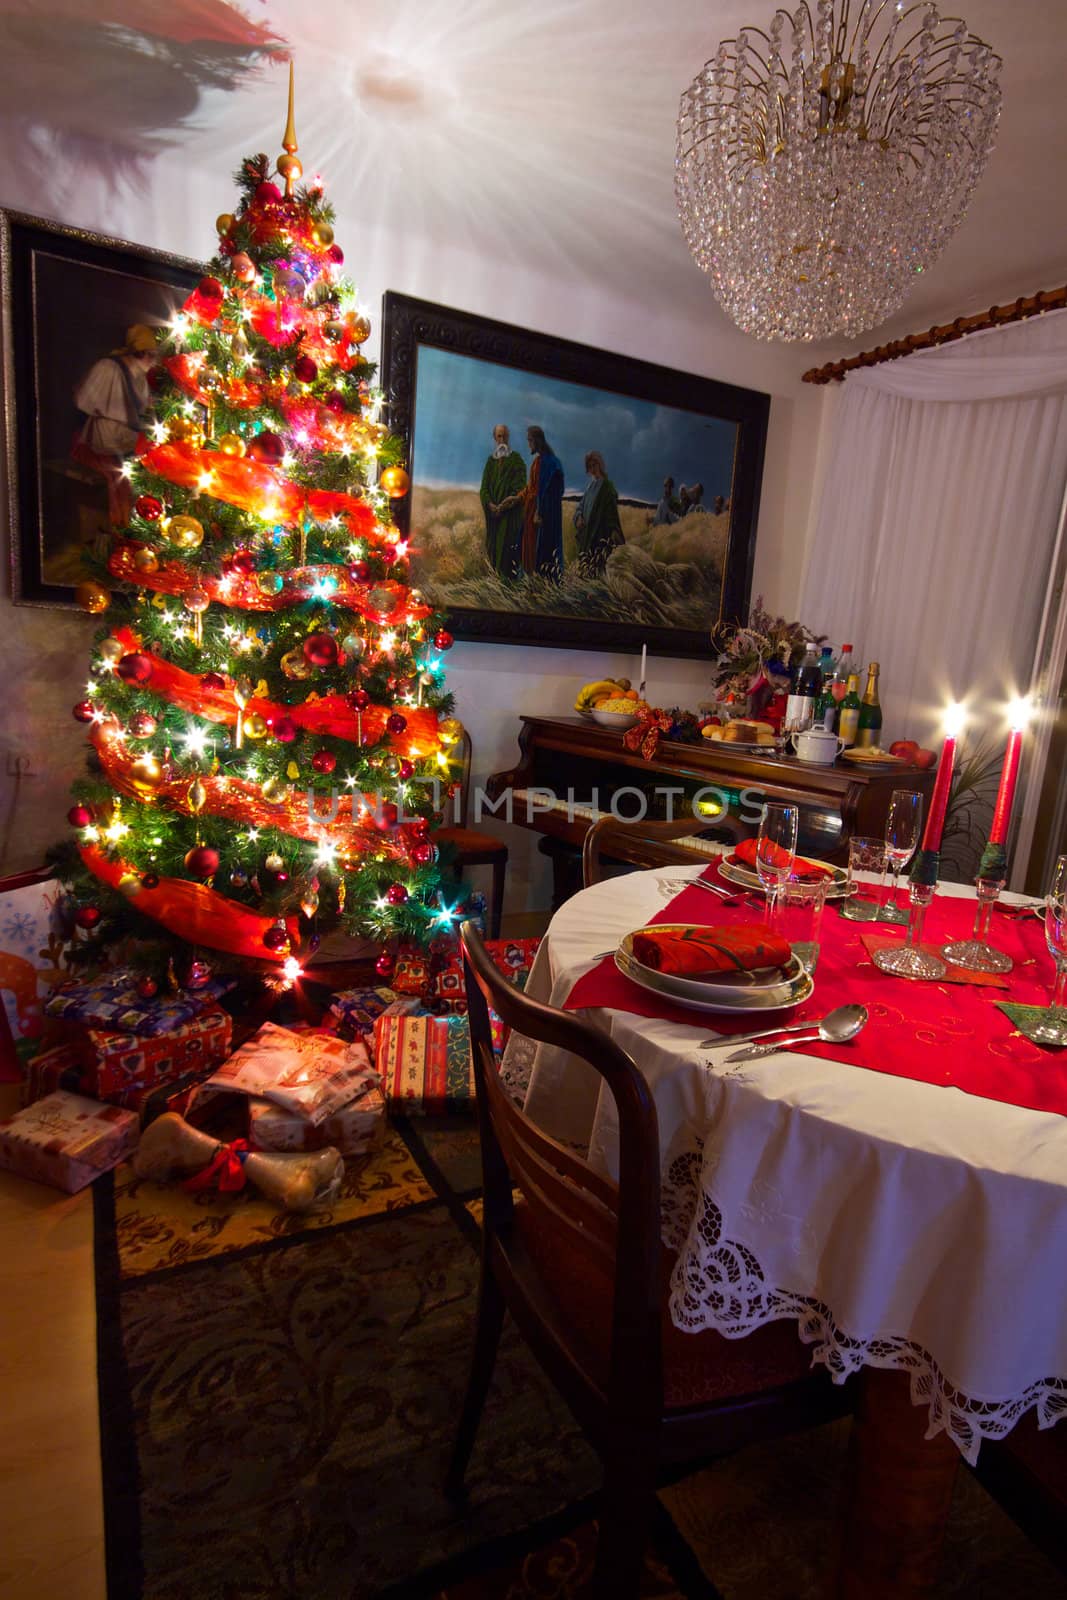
(611, 702)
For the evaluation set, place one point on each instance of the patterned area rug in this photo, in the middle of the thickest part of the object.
(278, 1400)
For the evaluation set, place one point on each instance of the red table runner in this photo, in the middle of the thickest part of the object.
(940, 1033)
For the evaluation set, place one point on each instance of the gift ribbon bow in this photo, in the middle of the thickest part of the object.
(224, 1172)
(645, 735)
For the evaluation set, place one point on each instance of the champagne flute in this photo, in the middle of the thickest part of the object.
(776, 846)
(902, 831)
(1054, 1029)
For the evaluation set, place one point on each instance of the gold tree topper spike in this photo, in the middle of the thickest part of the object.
(289, 164)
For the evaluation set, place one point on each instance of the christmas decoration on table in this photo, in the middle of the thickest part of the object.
(424, 1063)
(752, 674)
(265, 704)
(66, 1140)
(171, 1148)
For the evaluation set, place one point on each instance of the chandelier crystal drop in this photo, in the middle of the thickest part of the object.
(823, 165)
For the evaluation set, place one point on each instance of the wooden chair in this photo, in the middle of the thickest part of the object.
(473, 847)
(652, 844)
(1027, 1473)
(579, 1263)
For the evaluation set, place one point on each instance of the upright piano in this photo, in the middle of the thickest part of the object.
(571, 771)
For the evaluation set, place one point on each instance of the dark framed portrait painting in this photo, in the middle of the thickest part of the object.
(568, 496)
(79, 316)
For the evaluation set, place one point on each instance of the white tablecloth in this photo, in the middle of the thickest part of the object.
(902, 1225)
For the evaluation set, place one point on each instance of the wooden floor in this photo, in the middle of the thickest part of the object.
(51, 1508)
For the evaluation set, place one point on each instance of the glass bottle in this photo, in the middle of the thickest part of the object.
(869, 733)
(800, 707)
(849, 715)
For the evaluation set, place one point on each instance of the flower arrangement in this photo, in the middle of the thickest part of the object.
(759, 655)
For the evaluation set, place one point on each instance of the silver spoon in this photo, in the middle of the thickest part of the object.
(841, 1031)
(844, 1022)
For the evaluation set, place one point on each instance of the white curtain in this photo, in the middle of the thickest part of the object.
(938, 517)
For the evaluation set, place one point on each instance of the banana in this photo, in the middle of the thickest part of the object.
(587, 695)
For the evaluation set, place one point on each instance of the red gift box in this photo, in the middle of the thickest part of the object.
(66, 1140)
(353, 1130)
(115, 1065)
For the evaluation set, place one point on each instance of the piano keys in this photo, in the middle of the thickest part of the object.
(571, 771)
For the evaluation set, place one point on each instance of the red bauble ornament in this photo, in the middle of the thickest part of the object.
(210, 289)
(396, 722)
(335, 254)
(135, 668)
(396, 894)
(305, 369)
(384, 965)
(266, 448)
(324, 761)
(335, 401)
(150, 880)
(443, 640)
(359, 572)
(79, 816)
(243, 268)
(389, 814)
(276, 939)
(359, 700)
(147, 988)
(84, 711)
(267, 193)
(407, 769)
(243, 562)
(285, 730)
(202, 861)
(420, 827)
(87, 916)
(423, 853)
(212, 680)
(148, 506)
(320, 649)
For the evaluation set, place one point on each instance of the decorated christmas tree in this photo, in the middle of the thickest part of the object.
(269, 731)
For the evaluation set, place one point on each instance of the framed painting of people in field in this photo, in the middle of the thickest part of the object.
(563, 495)
(80, 314)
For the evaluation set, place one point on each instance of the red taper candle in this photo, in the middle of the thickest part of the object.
(935, 817)
(1009, 776)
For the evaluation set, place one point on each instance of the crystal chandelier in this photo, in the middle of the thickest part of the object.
(823, 165)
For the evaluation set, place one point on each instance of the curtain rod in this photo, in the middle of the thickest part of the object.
(996, 317)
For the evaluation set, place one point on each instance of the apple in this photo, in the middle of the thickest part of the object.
(906, 748)
(925, 759)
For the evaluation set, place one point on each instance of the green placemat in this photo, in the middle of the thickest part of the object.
(1029, 1020)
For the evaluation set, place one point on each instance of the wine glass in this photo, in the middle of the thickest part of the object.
(902, 824)
(776, 846)
(1054, 1029)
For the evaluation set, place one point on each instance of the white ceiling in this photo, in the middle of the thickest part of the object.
(535, 133)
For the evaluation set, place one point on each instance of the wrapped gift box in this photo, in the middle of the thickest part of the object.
(355, 1011)
(512, 957)
(411, 976)
(424, 1063)
(66, 1140)
(310, 1074)
(353, 1130)
(31, 956)
(117, 1064)
(58, 1068)
(112, 1002)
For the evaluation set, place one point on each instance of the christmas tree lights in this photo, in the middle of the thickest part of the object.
(270, 733)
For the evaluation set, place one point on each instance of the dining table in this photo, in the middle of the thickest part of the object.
(901, 1197)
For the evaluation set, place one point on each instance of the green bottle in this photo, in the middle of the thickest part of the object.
(870, 728)
(849, 718)
(826, 709)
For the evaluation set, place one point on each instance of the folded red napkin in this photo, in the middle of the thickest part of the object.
(737, 947)
(803, 871)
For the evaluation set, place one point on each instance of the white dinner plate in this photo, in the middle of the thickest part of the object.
(746, 877)
(772, 997)
(733, 988)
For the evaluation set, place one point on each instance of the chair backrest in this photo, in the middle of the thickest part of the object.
(651, 844)
(612, 1230)
(465, 752)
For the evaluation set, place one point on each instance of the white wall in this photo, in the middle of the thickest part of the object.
(44, 653)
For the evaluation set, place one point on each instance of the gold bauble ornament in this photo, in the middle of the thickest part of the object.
(296, 665)
(224, 222)
(146, 560)
(395, 482)
(231, 444)
(186, 532)
(274, 862)
(129, 885)
(111, 650)
(92, 597)
(197, 601)
(290, 168)
(185, 430)
(391, 766)
(358, 327)
(255, 726)
(147, 771)
(322, 233)
(269, 582)
(196, 797)
(274, 791)
(450, 731)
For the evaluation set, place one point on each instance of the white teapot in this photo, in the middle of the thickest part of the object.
(819, 745)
